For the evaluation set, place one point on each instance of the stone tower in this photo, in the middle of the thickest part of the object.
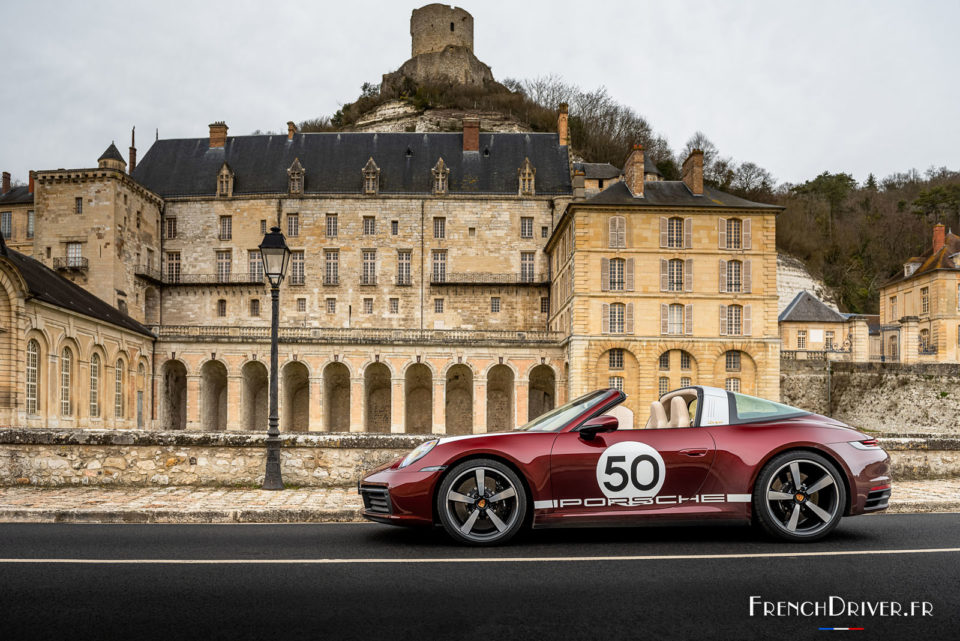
(437, 26)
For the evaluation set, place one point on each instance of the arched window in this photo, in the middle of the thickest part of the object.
(734, 233)
(225, 181)
(617, 313)
(371, 178)
(95, 386)
(734, 320)
(526, 174)
(617, 269)
(33, 376)
(66, 369)
(440, 174)
(675, 233)
(118, 405)
(734, 276)
(675, 275)
(675, 319)
(295, 177)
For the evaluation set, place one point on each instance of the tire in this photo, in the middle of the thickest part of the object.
(802, 512)
(491, 517)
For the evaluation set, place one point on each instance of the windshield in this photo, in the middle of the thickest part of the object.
(750, 409)
(555, 420)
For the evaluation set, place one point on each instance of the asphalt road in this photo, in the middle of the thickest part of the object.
(345, 581)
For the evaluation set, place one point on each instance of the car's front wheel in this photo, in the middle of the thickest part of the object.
(482, 502)
(799, 496)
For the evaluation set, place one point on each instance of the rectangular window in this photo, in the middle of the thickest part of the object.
(616, 382)
(685, 381)
(369, 225)
(171, 227)
(616, 274)
(331, 267)
(403, 268)
(684, 360)
(224, 260)
(732, 385)
(924, 300)
(663, 386)
(173, 267)
(733, 361)
(526, 227)
(617, 312)
(369, 275)
(332, 226)
(734, 233)
(439, 274)
(226, 227)
(438, 305)
(263, 228)
(331, 305)
(31, 222)
(78, 205)
(301, 305)
(221, 308)
(254, 306)
(734, 276)
(439, 227)
(472, 232)
(893, 305)
(367, 305)
(616, 358)
(293, 224)
(6, 224)
(544, 231)
(74, 255)
(297, 276)
(95, 386)
(118, 390)
(801, 339)
(675, 233)
(394, 227)
(828, 340)
(675, 275)
(544, 304)
(255, 262)
(394, 305)
(675, 319)
(495, 305)
(526, 267)
(734, 320)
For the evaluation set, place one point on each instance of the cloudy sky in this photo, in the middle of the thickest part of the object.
(798, 88)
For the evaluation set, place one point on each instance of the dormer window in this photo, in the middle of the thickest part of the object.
(526, 174)
(371, 178)
(225, 181)
(910, 268)
(295, 174)
(440, 173)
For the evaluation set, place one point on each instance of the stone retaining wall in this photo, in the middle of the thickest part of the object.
(53, 458)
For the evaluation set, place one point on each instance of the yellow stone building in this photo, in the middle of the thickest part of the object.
(810, 330)
(17, 221)
(660, 284)
(920, 310)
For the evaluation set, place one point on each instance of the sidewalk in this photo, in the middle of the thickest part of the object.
(312, 505)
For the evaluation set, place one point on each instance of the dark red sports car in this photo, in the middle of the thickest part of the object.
(704, 453)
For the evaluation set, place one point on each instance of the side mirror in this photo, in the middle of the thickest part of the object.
(597, 425)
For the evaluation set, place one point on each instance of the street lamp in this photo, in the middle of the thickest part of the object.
(275, 256)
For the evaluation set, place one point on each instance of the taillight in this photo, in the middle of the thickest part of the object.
(866, 444)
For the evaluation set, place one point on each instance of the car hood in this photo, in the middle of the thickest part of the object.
(466, 437)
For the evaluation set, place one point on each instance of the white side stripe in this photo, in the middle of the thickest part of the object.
(544, 505)
(739, 498)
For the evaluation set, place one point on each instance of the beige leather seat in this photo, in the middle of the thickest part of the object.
(658, 416)
(679, 416)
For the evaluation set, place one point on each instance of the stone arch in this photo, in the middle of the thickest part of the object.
(747, 373)
(296, 397)
(459, 399)
(542, 394)
(681, 365)
(173, 395)
(254, 394)
(336, 397)
(418, 393)
(377, 397)
(151, 306)
(628, 374)
(213, 395)
(500, 398)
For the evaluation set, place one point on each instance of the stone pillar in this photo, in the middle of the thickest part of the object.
(521, 398)
(909, 339)
(859, 341)
(439, 406)
(316, 405)
(480, 405)
(193, 402)
(234, 402)
(398, 405)
(358, 405)
(53, 391)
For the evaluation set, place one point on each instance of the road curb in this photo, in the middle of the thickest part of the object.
(44, 515)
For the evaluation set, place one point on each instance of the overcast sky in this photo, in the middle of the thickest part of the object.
(798, 88)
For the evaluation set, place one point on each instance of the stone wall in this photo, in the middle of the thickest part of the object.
(139, 458)
(886, 397)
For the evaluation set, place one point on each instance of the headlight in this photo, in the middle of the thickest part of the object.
(418, 453)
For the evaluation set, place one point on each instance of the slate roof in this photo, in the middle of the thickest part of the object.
(597, 170)
(805, 307)
(930, 261)
(46, 285)
(333, 163)
(17, 196)
(667, 193)
(112, 153)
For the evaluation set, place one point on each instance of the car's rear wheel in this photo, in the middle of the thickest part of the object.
(481, 502)
(799, 496)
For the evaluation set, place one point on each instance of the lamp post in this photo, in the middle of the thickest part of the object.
(275, 256)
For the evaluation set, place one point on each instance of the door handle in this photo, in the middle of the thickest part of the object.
(694, 452)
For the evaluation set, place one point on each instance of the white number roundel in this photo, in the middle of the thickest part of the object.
(630, 469)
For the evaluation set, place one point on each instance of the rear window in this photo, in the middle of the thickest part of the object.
(748, 409)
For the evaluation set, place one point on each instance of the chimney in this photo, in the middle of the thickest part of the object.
(218, 134)
(471, 133)
(291, 129)
(6, 182)
(692, 172)
(32, 175)
(133, 151)
(578, 185)
(939, 237)
(562, 130)
(633, 171)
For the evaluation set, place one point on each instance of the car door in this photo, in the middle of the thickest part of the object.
(625, 474)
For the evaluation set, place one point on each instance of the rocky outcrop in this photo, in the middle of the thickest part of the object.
(453, 65)
(793, 278)
(400, 116)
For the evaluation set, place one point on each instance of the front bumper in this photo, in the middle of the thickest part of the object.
(399, 497)
(871, 485)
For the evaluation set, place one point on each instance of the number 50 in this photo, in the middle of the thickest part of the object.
(616, 466)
